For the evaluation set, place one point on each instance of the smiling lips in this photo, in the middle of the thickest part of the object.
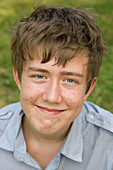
(50, 111)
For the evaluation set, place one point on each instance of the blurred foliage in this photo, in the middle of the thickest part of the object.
(11, 11)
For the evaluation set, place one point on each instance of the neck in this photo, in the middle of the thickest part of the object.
(32, 135)
(41, 147)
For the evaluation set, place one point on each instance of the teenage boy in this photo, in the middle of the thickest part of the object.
(56, 55)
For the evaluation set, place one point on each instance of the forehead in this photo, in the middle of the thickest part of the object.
(62, 56)
(77, 65)
(66, 54)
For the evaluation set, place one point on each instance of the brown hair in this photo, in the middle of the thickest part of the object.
(60, 32)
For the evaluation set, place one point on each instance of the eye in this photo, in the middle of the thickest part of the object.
(40, 76)
(70, 80)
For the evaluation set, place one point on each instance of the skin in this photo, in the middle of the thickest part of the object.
(52, 97)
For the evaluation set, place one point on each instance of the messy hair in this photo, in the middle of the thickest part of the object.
(60, 32)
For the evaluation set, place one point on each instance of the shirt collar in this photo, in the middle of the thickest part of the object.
(73, 146)
(7, 140)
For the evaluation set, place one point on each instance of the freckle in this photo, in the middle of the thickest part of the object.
(59, 119)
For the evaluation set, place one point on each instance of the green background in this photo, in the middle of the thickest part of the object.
(13, 10)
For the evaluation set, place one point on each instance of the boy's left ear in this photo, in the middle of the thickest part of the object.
(17, 81)
(91, 88)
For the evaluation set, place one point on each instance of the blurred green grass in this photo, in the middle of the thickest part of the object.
(10, 13)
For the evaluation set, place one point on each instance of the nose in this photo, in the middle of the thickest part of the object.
(52, 93)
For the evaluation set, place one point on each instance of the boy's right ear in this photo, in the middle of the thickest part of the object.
(15, 73)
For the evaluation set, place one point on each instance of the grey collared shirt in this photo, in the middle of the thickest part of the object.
(88, 146)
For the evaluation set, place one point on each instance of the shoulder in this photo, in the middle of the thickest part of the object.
(98, 116)
(7, 113)
(97, 129)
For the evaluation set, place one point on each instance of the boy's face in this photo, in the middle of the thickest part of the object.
(52, 96)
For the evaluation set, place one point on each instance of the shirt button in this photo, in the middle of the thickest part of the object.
(10, 113)
(58, 154)
(91, 116)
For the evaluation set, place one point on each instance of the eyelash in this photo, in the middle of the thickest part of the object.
(39, 76)
(70, 81)
(67, 81)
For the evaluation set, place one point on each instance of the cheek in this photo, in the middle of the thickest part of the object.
(30, 92)
(74, 98)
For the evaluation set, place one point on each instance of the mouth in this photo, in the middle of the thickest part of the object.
(49, 111)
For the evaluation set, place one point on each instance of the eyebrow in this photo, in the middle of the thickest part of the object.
(37, 70)
(65, 73)
(68, 73)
